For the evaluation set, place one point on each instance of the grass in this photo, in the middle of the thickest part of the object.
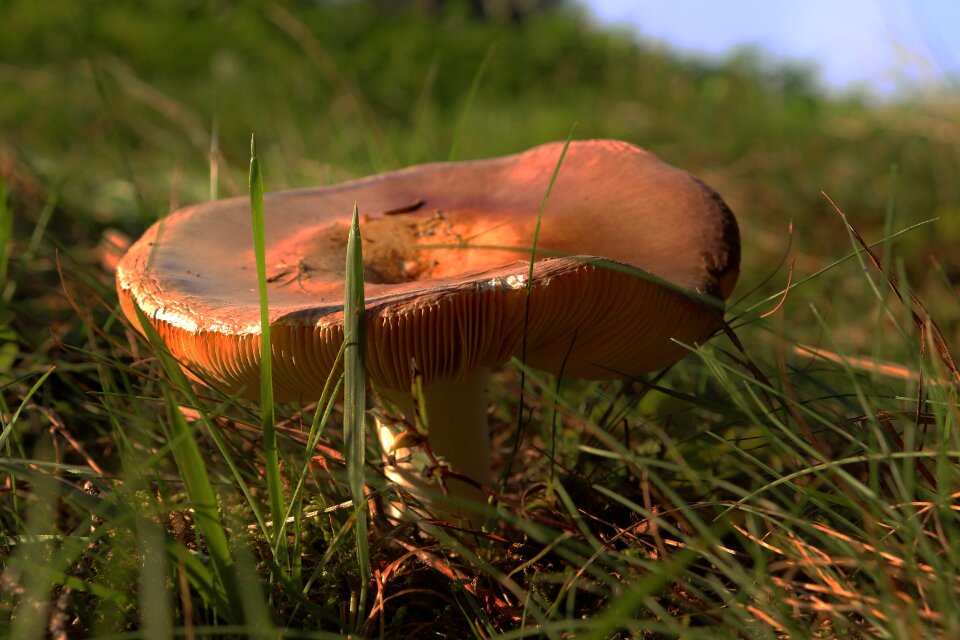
(268, 415)
(355, 405)
(797, 476)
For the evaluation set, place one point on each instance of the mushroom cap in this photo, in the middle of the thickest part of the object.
(631, 253)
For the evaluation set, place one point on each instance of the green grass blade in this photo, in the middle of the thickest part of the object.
(271, 453)
(8, 427)
(200, 492)
(319, 422)
(180, 381)
(193, 471)
(201, 577)
(543, 207)
(622, 610)
(816, 275)
(153, 592)
(33, 561)
(354, 398)
(507, 468)
(256, 612)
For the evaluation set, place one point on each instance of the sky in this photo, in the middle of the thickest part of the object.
(883, 45)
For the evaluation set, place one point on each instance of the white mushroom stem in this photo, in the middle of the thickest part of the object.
(456, 412)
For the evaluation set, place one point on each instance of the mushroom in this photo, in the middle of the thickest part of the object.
(634, 258)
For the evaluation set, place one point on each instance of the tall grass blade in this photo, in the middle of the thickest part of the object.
(354, 398)
(256, 612)
(268, 421)
(34, 562)
(319, 422)
(202, 579)
(815, 276)
(203, 499)
(153, 584)
(199, 490)
(179, 378)
(8, 427)
(526, 311)
(921, 317)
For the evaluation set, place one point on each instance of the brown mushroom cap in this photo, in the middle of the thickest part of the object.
(446, 256)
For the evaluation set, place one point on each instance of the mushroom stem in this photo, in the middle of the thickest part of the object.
(456, 412)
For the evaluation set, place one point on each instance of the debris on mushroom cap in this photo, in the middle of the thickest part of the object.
(630, 252)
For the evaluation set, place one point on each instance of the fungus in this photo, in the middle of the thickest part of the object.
(630, 254)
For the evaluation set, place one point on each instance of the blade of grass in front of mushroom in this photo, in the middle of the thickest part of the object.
(295, 505)
(196, 482)
(271, 454)
(133, 428)
(321, 415)
(180, 381)
(508, 467)
(202, 498)
(354, 404)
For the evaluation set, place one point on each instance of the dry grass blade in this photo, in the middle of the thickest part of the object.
(786, 292)
(861, 363)
(822, 575)
(925, 323)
